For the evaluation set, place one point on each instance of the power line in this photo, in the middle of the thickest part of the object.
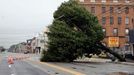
(113, 10)
(113, 13)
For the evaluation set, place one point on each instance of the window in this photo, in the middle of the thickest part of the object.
(126, 31)
(103, 1)
(119, 10)
(115, 1)
(127, 1)
(111, 9)
(119, 20)
(104, 31)
(103, 20)
(92, 9)
(103, 9)
(127, 10)
(92, 0)
(115, 31)
(81, 0)
(127, 20)
(111, 20)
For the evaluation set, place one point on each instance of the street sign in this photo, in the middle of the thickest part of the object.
(113, 41)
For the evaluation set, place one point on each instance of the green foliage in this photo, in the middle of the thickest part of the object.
(2, 49)
(73, 33)
(43, 55)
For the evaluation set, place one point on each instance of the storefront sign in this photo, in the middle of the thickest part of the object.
(113, 41)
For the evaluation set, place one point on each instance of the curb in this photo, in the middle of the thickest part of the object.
(95, 60)
(126, 63)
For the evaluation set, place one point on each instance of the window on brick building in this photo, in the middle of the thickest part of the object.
(81, 0)
(127, 10)
(127, 1)
(92, 9)
(115, 1)
(104, 31)
(127, 20)
(103, 20)
(119, 20)
(103, 10)
(127, 34)
(126, 31)
(111, 20)
(111, 9)
(92, 0)
(127, 40)
(115, 32)
(103, 1)
(119, 10)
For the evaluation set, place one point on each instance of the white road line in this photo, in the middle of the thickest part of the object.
(12, 74)
(9, 66)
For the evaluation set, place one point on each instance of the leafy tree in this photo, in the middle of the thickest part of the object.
(2, 49)
(74, 32)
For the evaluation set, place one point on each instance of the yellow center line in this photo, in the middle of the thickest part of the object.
(58, 67)
(63, 69)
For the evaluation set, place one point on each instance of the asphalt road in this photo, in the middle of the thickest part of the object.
(19, 68)
(32, 66)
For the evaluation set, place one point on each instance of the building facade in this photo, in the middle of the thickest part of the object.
(116, 18)
(18, 48)
(39, 43)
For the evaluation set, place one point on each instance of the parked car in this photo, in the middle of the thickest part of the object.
(26, 52)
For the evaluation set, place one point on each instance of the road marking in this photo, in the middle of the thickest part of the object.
(63, 69)
(12, 74)
(9, 66)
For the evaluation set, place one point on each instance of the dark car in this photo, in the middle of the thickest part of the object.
(26, 52)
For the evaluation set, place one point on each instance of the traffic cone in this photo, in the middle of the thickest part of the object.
(10, 60)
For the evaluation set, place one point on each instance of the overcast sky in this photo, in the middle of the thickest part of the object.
(23, 19)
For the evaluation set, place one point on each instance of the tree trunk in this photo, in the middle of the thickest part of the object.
(101, 46)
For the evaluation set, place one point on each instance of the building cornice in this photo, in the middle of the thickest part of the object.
(126, 4)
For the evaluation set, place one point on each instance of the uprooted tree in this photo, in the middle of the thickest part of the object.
(74, 33)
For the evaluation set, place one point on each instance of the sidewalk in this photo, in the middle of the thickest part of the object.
(92, 60)
(126, 63)
(98, 60)
(102, 60)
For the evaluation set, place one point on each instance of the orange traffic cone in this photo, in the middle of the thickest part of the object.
(10, 60)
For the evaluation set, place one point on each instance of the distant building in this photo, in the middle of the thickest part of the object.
(116, 18)
(39, 43)
(2, 49)
(28, 45)
(12, 48)
(18, 48)
(46, 38)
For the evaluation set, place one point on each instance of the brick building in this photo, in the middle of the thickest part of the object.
(116, 18)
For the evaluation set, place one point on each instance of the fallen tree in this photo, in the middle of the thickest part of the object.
(74, 32)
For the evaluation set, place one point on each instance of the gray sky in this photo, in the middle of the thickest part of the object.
(23, 19)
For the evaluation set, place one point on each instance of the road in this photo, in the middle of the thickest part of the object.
(19, 68)
(29, 64)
